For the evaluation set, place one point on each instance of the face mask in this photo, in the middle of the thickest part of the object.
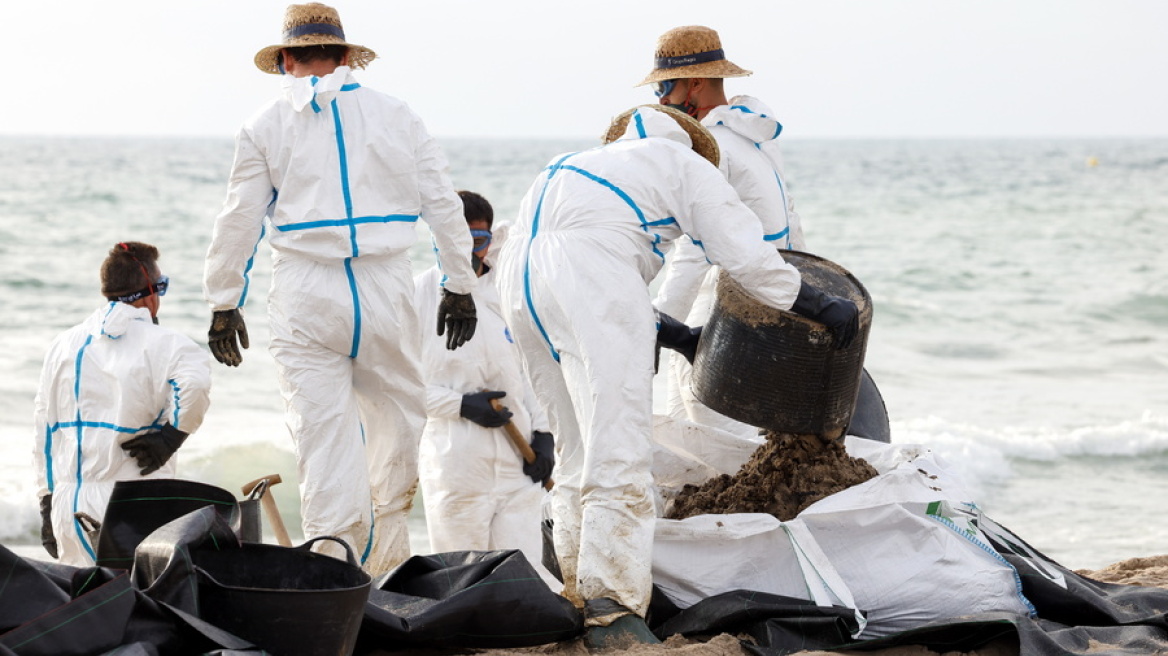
(685, 108)
(476, 263)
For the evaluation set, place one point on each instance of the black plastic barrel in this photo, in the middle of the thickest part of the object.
(288, 601)
(775, 369)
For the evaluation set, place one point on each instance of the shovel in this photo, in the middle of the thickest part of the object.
(262, 487)
(520, 443)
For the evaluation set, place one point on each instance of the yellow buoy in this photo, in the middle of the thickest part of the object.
(1092, 161)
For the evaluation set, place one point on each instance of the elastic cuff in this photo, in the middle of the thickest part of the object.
(603, 611)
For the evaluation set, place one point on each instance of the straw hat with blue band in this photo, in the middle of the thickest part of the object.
(688, 52)
(312, 24)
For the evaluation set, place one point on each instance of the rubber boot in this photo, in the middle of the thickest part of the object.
(627, 630)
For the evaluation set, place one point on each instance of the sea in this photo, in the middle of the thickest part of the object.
(1020, 289)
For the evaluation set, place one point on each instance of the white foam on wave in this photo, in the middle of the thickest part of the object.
(983, 455)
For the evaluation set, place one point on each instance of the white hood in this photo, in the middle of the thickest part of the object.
(115, 319)
(646, 123)
(747, 116)
(302, 91)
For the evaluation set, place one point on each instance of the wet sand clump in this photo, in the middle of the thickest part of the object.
(783, 476)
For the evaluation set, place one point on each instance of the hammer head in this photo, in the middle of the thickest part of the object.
(269, 481)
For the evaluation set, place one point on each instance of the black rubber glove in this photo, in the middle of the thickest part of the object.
(225, 325)
(840, 315)
(47, 540)
(456, 314)
(477, 408)
(673, 334)
(545, 457)
(153, 449)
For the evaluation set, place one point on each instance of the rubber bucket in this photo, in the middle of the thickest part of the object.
(286, 600)
(775, 369)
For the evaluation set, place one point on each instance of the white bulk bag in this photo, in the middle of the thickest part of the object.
(707, 555)
(907, 545)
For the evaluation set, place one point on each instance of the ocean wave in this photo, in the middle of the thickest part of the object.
(1146, 436)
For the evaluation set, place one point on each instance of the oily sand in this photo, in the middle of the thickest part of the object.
(783, 476)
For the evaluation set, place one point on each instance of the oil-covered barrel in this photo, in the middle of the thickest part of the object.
(775, 369)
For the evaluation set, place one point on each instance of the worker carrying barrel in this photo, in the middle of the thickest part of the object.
(590, 235)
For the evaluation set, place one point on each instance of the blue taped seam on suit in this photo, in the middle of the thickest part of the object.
(177, 391)
(527, 259)
(344, 163)
(350, 222)
(80, 435)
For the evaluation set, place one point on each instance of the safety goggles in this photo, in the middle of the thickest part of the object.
(482, 239)
(159, 288)
(663, 88)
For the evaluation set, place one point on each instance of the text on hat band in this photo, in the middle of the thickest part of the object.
(687, 60)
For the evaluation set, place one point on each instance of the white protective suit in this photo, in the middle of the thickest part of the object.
(104, 381)
(476, 495)
(342, 174)
(747, 135)
(574, 277)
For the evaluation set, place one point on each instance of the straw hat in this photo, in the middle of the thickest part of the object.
(691, 51)
(704, 143)
(312, 24)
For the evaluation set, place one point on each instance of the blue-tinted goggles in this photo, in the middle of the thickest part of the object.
(663, 88)
(159, 288)
(482, 239)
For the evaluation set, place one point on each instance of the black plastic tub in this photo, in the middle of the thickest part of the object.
(775, 369)
(288, 601)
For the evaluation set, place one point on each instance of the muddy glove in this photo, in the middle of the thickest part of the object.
(839, 314)
(225, 325)
(47, 540)
(545, 457)
(456, 313)
(673, 334)
(477, 408)
(153, 449)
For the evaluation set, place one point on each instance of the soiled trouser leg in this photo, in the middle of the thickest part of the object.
(390, 389)
(612, 396)
(322, 416)
(547, 377)
(312, 324)
(602, 502)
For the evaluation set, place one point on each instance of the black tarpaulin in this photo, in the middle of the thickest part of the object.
(484, 599)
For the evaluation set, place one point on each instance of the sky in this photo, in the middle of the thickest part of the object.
(527, 68)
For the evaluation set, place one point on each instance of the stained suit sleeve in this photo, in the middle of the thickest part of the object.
(189, 378)
(239, 226)
(539, 419)
(441, 400)
(731, 236)
(41, 441)
(442, 211)
(684, 272)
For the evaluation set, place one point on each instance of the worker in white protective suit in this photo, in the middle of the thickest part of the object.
(118, 395)
(689, 68)
(479, 493)
(591, 233)
(341, 173)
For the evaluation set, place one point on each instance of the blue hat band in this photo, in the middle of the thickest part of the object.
(690, 60)
(314, 28)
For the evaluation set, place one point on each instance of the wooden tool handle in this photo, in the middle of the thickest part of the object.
(520, 442)
(274, 517)
(517, 438)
